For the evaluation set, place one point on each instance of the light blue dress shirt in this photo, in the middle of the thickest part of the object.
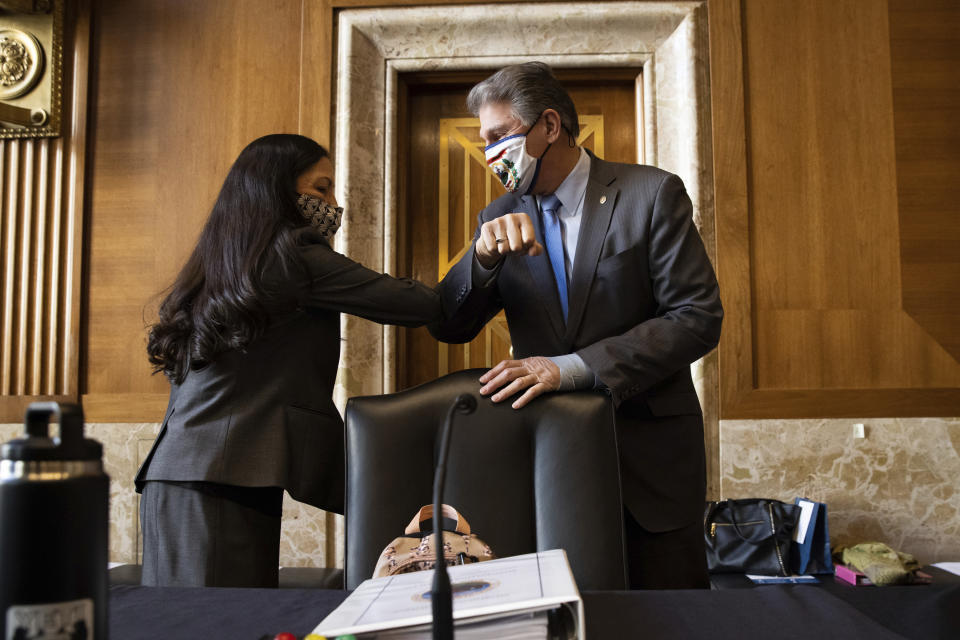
(571, 193)
(574, 372)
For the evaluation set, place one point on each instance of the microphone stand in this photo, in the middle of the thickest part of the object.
(441, 597)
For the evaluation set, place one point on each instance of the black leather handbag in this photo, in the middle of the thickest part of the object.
(749, 536)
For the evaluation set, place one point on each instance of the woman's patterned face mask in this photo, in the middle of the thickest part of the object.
(322, 215)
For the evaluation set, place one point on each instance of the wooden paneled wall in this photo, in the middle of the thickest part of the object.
(41, 218)
(829, 312)
(179, 88)
(925, 65)
(172, 112)
(835, 150)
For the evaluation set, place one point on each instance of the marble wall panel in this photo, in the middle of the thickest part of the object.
(897, 485)
(502, 29)
(309, 537)
(304, 529)
(124, 446)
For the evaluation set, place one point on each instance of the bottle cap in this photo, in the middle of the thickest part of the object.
(38, 445)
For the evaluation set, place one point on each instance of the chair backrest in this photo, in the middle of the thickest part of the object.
(543, 477)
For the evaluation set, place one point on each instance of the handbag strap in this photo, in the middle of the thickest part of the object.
(426, 513)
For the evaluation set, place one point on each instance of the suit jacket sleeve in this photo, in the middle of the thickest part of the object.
(330, 280)
(467, 306)
(688, 316)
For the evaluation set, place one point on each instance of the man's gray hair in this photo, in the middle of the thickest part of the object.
(529, 89)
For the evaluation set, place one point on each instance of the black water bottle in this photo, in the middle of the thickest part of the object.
(53, 530)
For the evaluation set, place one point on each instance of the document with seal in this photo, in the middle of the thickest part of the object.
(515, 597)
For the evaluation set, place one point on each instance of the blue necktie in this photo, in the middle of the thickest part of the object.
(554, 239)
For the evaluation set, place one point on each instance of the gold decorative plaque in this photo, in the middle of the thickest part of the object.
(21, 60)
(31, 76)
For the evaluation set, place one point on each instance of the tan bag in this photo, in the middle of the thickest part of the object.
(415, 551)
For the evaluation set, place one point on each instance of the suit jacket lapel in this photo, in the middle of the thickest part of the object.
(542, 271)
(598, 203)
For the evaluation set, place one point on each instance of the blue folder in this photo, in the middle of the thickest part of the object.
(811, 555)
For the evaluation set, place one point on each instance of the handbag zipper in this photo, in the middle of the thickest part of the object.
(714, 525)
(773, 532)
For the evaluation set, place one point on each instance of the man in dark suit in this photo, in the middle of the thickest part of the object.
(606, 284)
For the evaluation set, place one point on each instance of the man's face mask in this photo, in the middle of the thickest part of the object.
(510, 162)
(322, 215)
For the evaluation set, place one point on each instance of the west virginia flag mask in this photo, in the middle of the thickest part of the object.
(516, 169)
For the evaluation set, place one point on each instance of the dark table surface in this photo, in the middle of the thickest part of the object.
(784, 612)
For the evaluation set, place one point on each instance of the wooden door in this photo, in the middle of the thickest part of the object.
(445, 183)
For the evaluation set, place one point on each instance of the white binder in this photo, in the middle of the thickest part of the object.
(508, 597)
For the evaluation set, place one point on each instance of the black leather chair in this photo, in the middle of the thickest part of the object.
(543, 477)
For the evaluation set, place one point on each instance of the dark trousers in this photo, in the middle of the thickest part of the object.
(666, 560)
(200, 534)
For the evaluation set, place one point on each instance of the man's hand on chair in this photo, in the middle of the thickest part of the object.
(536, 375)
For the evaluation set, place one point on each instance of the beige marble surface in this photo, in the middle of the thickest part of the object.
(514, 29)
(304, 529)
(899, 485)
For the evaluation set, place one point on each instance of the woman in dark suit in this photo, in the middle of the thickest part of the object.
(249, 337)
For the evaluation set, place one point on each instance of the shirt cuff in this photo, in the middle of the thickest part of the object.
(574, 373)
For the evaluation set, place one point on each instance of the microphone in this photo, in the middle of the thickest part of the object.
(441, 598)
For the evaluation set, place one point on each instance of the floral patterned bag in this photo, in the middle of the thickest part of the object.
(415, 551)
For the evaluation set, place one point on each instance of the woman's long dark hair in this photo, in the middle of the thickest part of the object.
(216, 302)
